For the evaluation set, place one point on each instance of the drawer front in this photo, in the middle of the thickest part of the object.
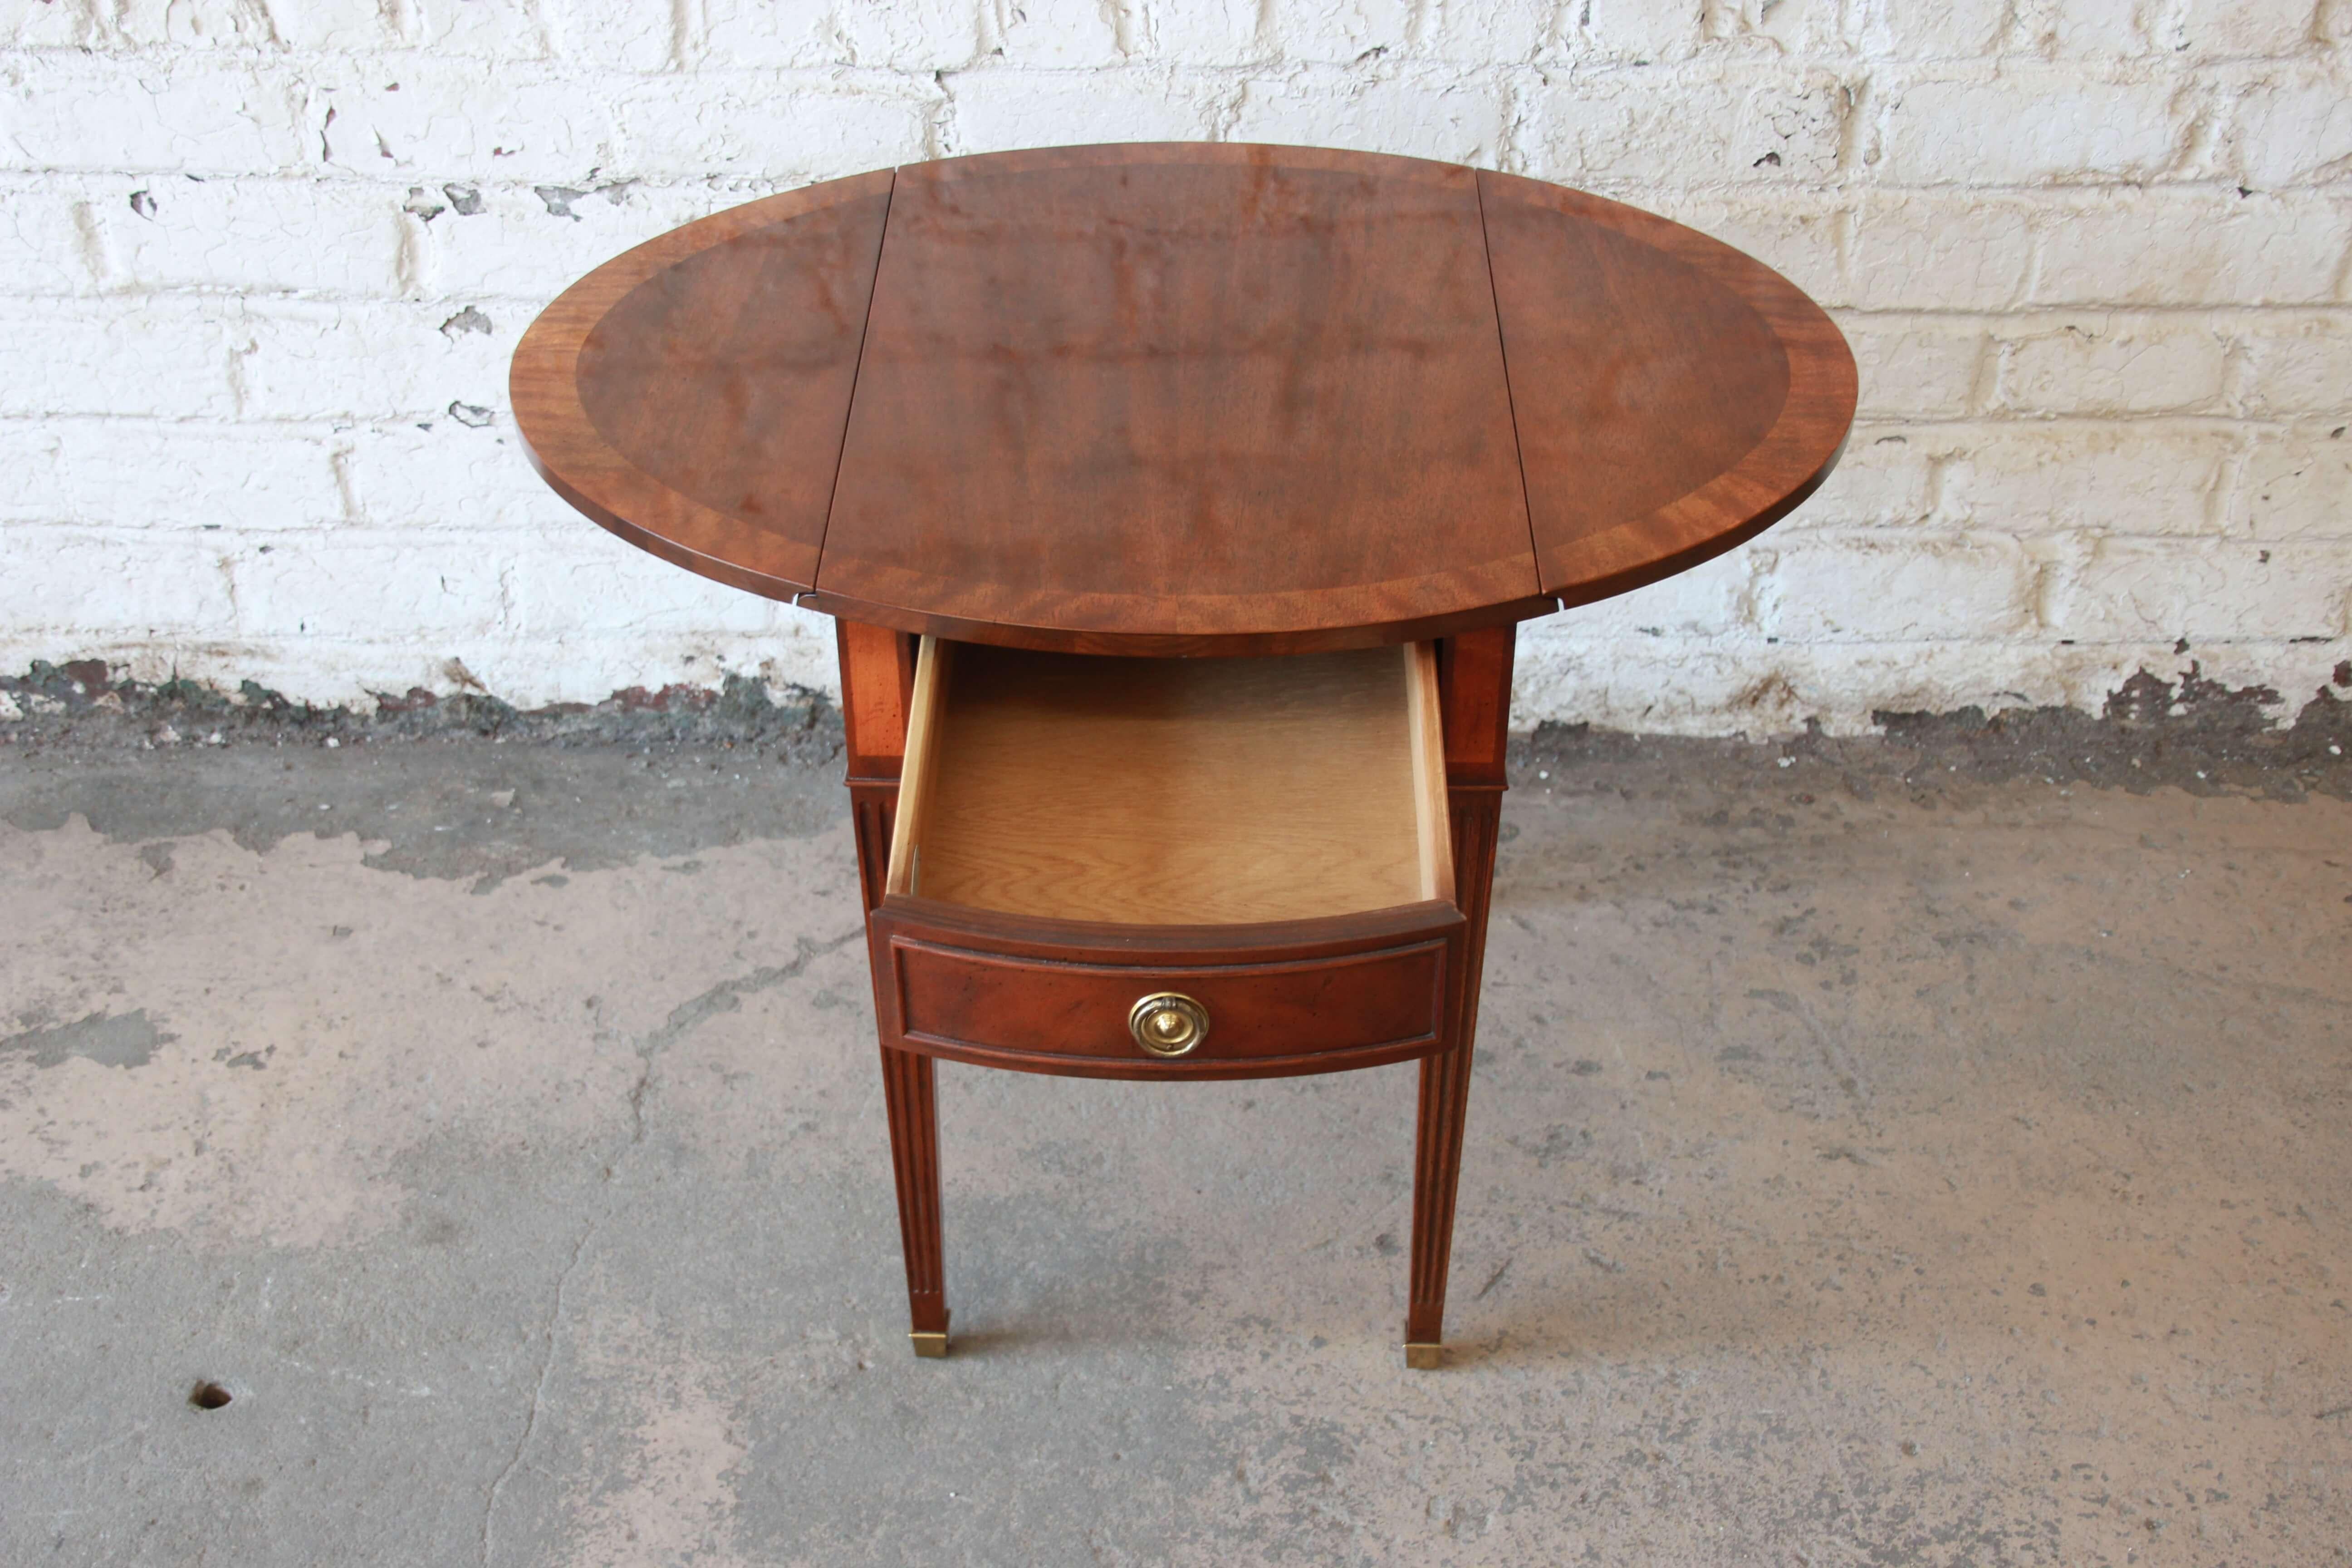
(1271, 1008)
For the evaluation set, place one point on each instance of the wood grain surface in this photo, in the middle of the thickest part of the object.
(1185, 399)
(1675, 396)
(1475, 685)
(977, 1004)
(1049, 995)
(690, 395)
(1181, 390)
(1173, 791)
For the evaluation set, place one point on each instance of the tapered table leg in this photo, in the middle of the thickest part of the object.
(906, 1092)
(1437, 1170)
(877, 672)
(1445, 1083)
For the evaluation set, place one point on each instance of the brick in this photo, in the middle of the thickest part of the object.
(74, 584)
(1917, 366)
(51, 233)
(2297, 486)
(131, 474)
(2030, 126)
(2138, 475)
(757, 126)
(142, 357)
(1747, 686)
(1644, 126)
(1066, 34)
(1779, 29)
(345, 26)
(1882, 482)
(49, 25)
(2289, 128)
(2239, 29)
(2203, 590)
(1797, 233)
(795, 35)
(452, 478)
(2111, 364)
(2079, 29)
(573, 580)
(1637, 31)
(614, 35)
(1204, 32)
(82, 235)
(310, 360)
(1655, 685)
(1425, 114)
(1338, 32)
(503, 32)
(591, 667)
(1873, 589)
(912, 36)
(190, 24)
(2194, 247)
(1922, 30)
(2291, 363)
(1942, 250)
(349, 583)
(1487, 32)
(1001, 109)
(521, 245)
(464, 119)
(257, 358)
(168, 113)
(1711, 600)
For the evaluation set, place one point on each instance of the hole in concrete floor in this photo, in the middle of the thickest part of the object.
(209, 1396)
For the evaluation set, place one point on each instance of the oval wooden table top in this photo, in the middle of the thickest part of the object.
(1184, 398)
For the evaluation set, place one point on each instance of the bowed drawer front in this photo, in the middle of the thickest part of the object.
(1149, 868)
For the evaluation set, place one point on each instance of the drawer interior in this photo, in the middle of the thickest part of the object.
(1173, 791)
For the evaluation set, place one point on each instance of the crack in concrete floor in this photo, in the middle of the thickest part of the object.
(726, 996)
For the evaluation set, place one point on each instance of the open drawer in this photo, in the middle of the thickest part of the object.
(1146, 867)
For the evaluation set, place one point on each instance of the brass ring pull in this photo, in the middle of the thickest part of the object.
(1168, 1025)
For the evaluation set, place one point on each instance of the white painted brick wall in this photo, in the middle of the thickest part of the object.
(262, 263)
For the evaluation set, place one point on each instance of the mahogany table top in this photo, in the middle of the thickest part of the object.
(1184, 398)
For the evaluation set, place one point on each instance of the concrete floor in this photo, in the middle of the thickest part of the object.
(1859, 1172)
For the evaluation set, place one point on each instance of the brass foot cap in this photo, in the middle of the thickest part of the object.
(1425, 1358)
(929, 1344)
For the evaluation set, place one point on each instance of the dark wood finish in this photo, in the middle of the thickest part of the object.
(876, 667)
(878, 683)
(690, 395)
(1674, 397)
(1184, 399)
(913, 1107)
(1131, 389)
(1473, 684)
(1045, 996)
(1476, 688)
(1052, 996)
(876, 675)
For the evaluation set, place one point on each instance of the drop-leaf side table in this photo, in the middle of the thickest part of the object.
(1178, 505)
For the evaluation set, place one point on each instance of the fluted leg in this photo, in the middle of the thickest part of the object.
(906, 1092)
(1445, 1081)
